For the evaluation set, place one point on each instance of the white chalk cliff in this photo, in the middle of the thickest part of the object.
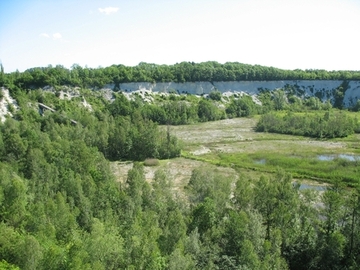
(324, 89)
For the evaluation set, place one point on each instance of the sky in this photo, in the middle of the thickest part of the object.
(287, 34)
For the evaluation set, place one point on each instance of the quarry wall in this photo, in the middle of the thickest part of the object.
(323, 89)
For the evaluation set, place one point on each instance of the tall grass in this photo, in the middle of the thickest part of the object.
(299, 166)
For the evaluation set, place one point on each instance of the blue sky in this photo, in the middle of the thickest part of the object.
(289, 34)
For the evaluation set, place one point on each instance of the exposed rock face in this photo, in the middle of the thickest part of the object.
(323, 89)
(352, 94)
(5, 102)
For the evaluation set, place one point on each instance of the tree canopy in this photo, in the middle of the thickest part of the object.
(146, 72)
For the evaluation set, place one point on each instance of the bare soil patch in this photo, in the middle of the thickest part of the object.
(179, 170)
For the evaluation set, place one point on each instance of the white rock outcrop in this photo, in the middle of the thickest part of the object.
(324, 89)
(5, 102)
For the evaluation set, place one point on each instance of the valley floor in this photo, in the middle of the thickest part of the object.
(237, 148)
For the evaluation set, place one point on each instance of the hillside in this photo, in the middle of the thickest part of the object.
(130, 175)
(339, 87)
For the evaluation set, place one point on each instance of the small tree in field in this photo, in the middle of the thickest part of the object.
(279, 99)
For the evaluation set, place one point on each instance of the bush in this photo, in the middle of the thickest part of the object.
(241, 107)
(151, 162)
(215, 95)
(355, 108)
(11, 108)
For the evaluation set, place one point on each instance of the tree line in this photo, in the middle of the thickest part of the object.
(185, 109)
(147, 72)
(329, 125)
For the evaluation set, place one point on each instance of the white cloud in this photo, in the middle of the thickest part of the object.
(57, 36)
(108, 10)
(44, 35)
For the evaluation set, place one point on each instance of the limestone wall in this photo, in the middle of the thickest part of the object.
(323, 89)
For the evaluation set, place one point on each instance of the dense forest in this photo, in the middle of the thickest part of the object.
(145, 72)
(62, 208)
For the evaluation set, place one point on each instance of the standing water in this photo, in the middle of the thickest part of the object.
(342, 156)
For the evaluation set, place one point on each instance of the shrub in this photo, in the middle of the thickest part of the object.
(215, 95)
(11, 108)
(355, 108)
(151, 162)
(334, 125)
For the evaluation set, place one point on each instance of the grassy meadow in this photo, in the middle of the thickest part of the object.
(234, 143)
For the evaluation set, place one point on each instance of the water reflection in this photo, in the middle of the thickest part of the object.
(260, 161)
(315, 187)
(342, 156)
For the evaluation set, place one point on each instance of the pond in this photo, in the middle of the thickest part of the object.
(313, 184)
(315, 187)
(342, 156)
(260, 161)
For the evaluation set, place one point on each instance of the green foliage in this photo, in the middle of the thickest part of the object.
(274, 198)
(313, 103)
(105, 245)
(180, 72)
(14, 198)
(243, 194)
(179, 261)
(203, 184)
(179, 112)
(7, 266)
(203, 216)
(330, 125)
(61, 208)
(121, 106)
(279, 99)
(340, 94)
(356, 107)
(215, 95)
(241, 107)
(208, 111)
(52, 186)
